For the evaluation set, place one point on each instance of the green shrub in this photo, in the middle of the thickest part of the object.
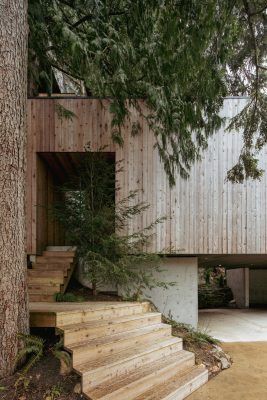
(63, 356)
(68, 297)
(33, 346)
(189, 334)
(54, 392)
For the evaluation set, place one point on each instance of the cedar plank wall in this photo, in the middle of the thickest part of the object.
(43, 183)
(49, 232)
(206, 215)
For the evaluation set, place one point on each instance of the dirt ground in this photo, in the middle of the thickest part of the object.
(44, 383)
(245, 380)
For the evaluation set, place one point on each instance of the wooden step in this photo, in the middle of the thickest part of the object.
(54, 260)
(45, 289)
(46, 280)
(93, 329)
(101, 312)
(50, 274)
(61, 248)
(67, 278)
(95, 372)
(34, 297)
(65, 271)
(51, 266)
(104, 346)
(178, 387)
(62, 254)
(122, 350)
(128, 386)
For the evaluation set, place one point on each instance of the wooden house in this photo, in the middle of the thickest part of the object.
(209, 221)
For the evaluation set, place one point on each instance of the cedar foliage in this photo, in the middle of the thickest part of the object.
(33, 350)
(98, 227)
(181, 56)
(33, 346)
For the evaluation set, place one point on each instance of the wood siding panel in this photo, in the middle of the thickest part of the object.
(205, 214)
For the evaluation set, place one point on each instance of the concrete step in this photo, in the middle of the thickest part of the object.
(90, 330)
(95, 372)
(178, 387)
(107, 345)
(104, 311)
(128, 386)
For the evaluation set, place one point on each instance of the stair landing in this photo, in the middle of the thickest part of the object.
(122, 350)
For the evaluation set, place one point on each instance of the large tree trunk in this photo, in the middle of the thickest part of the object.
(13, 101)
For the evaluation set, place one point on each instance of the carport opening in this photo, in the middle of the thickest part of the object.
(53, 171)
(244, 317)
(213, 291)
(233, 281)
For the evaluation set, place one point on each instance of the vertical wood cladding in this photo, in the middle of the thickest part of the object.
(205, 214)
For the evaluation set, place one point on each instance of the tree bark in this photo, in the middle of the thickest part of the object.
(13, 102)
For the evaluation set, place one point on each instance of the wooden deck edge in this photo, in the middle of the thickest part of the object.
(49, 317)
(119, 304)
(42, 319)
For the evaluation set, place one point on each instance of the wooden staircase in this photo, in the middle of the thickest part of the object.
(50, 273)
(123, 351)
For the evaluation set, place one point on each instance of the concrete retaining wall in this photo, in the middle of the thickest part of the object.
(179, 301)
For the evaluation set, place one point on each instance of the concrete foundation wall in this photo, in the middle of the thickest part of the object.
(238, 281)
(258, 286)
(179, 301)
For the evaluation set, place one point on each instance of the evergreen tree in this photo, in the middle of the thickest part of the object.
(181, 56)
(14, 316)
(97, 226)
